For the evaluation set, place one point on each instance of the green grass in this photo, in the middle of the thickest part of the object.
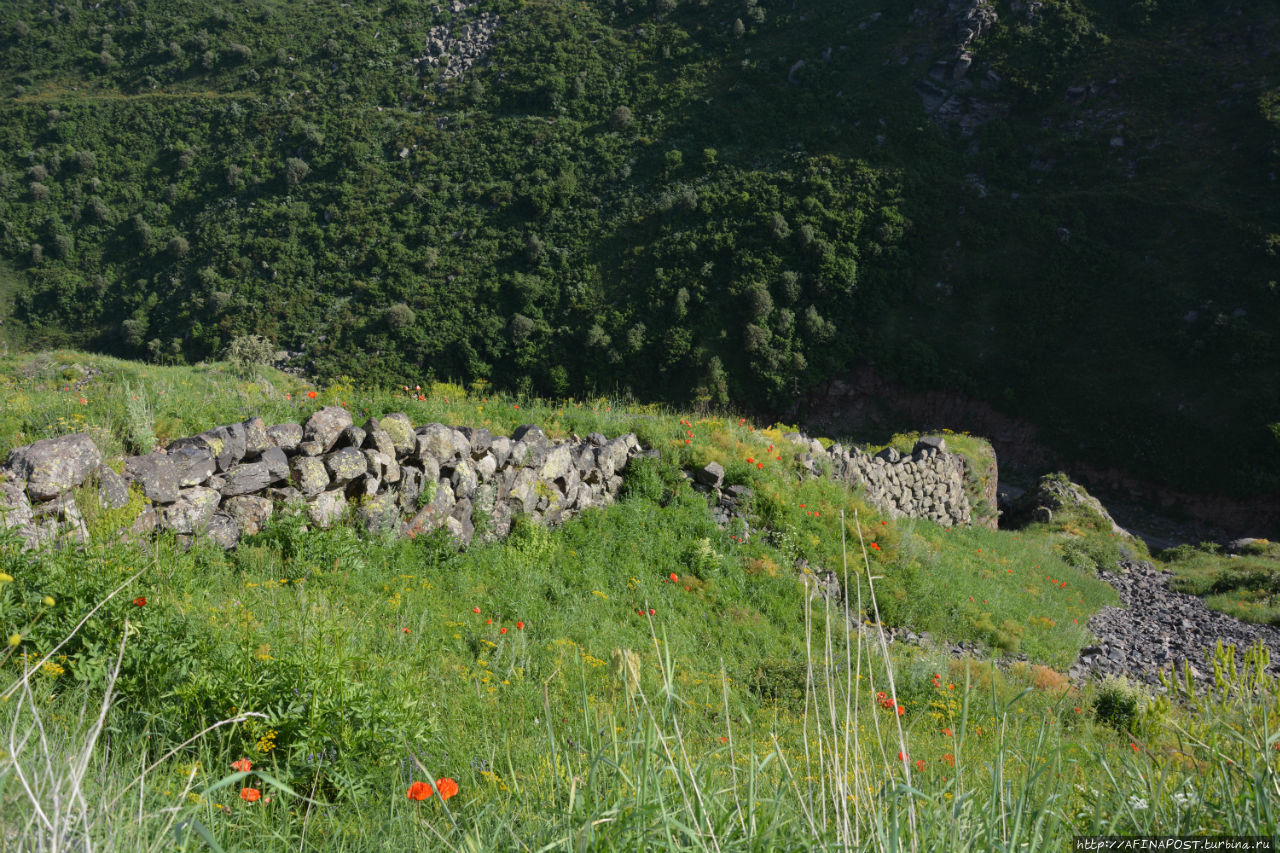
(1245, 585)
(347, 666)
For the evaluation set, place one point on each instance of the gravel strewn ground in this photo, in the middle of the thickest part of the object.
(1158, 627)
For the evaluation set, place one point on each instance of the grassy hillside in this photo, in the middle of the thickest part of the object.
(655, 198)
(639, 677)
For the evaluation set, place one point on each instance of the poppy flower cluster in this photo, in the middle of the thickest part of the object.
(140, 601)
(489, 621)
(889, 704)
(875, 547)
(445, 786)
(949, 759)
(688, 431)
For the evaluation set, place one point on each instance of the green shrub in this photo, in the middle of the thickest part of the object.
(1119, 704)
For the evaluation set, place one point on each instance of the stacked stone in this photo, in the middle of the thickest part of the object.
(929, 483)
(226, 482)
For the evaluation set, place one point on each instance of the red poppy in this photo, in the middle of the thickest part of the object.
(686, 589)
(947, 732)
(311, 395)
(250, 795)
(502, 630)
(750, 460)
(475, 610)
(919, 765)
(759, 464)
(244, 765)
(1133, 746)
(447, 787)
(141, 601)
(652, 611)
(901, 710)
(83, 401)
(902, 756)
(419, 791)
(674, 577)
(884, 522)
(520, 625)
(875, 547)
(724, 740)
(950, 759)
(488, 621)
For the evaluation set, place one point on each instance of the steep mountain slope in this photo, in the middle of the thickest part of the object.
(1065, 208)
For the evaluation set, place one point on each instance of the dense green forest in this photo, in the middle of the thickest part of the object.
(715, 201)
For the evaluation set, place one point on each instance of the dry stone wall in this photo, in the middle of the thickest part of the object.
(928, 483)
(226, 482)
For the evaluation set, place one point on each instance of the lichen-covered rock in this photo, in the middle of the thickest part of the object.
(433, 514)
(193, 464)
(377, 439)
(230, 440)
(711, 475)
(500, 447)
(382, 466)
(442, 443)
(345, 465)
(113, 490)
(612, 457)
(256, 438)
(222, 530)
(464, 479)
(249, 478)
(408, 489)
(277, 463)
(352, 436)
(459, 523)
(191, 512)
(378, 512)
(398, 426)
(327, 508)
(523, 491)
(485, 467)
(59, 521)
(15, 510)
(156, 474)
(530, 453)
(326, 425)
(287, 437)
(52, 466)
(558, 462)
(479, 438)
(249, 511)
